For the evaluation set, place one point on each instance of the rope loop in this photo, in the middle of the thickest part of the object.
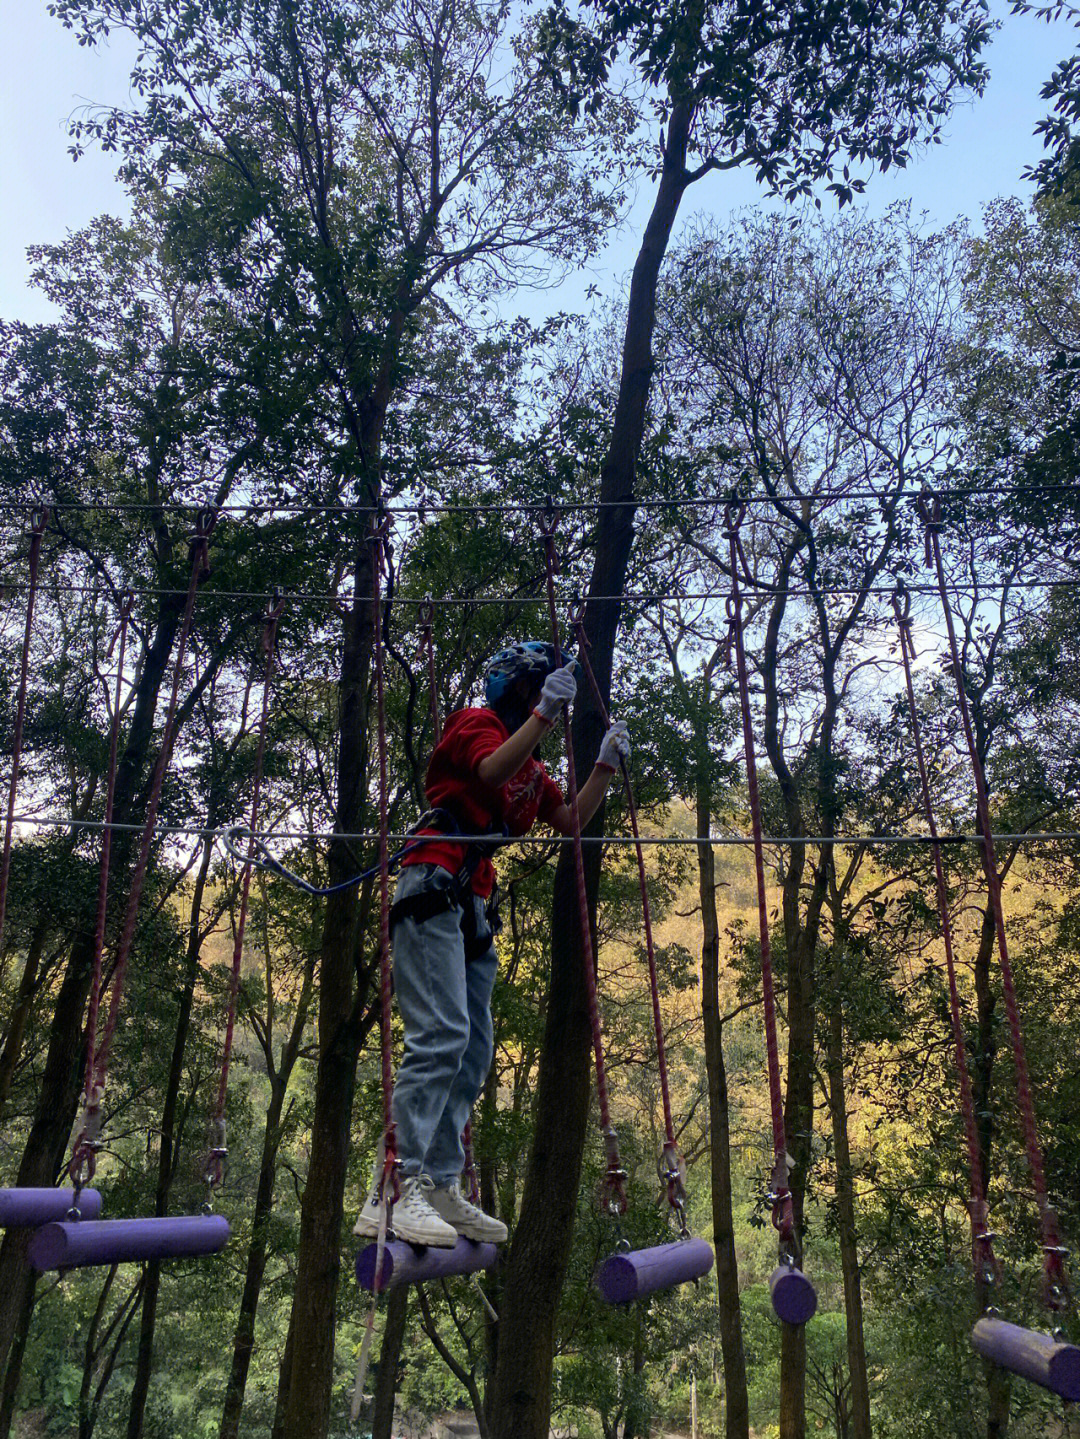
(39, 520)
(548, 519)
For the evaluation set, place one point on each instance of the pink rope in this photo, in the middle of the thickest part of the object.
(386, 983)
(84, 1155)
(671, 1160)
(780, 1196)
(614, 1182)
(199, 567)
(1053, 1253)
(216, 1168)
(982, 1241)
(39, 521)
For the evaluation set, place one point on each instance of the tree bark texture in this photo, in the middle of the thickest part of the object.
(382, 1414)
(737, 1417)
(520, 1405)
(858, 1412)
(170, 1144)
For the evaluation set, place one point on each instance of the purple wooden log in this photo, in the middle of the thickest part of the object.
(1038, 1357)
(122, 1241)
(29, 1208)
(414, 1263)
(793, 1296)
(633, 1275)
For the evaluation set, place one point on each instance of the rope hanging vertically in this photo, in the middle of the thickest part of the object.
(671, 1163)
(98, 1067)
(39, 521)
(388, 1174)
(218, 1148)
(84, 1155)
(614, 1181)
(982, 1241)
(779, 1197)
(1053, 1252)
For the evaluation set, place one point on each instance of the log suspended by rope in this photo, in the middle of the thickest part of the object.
(75, 1243)
(30, 1208)
(1044, 1359)
(415, 1264)
(637, 1273)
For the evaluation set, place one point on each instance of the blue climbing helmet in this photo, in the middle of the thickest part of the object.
(528, 659)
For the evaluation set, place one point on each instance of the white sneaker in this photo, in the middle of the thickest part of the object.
(413, 1219)
(468, 1219)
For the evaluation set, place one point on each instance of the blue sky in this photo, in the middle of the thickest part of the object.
(45, 76)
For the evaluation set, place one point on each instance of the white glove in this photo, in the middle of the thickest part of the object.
(560, 687)
(615, 747)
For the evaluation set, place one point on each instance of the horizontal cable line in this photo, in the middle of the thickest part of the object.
(655, 840)
(256, 508)
(301, 596)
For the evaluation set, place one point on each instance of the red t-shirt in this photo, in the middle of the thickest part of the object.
(453, 783)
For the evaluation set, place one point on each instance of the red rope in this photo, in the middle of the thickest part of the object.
(215, 1171)
(386, 984)
(671, 1160)
(84, 1154)
(614, 1182)
(199, 567)
(1053, 1254)
(39, 521)
(982, 1241)
(780, 1195)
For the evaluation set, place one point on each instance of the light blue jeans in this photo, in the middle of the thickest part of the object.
(445, 1006)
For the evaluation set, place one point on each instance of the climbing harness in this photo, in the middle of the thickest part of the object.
(793, 1296)
(77, 1240)
(1043, 1358)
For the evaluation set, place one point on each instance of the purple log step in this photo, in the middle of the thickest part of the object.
(30, 1208)
(793, 1296)
(625, 1277)
(1038, 1357)
(123, 1241)
(414, 1263)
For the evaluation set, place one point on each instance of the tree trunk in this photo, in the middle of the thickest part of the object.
(170, 1143)
(857, 1415)
(24, 1003)
(737, 1424)
(998, 1382)
(537, 1261)
(342, 1001)
(382, 1413)
(244, 1337)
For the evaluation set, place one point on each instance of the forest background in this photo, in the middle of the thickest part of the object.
(309, 311)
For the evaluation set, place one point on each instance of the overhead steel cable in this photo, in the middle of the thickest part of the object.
(419, 508)
(371, 836)
(885, 591)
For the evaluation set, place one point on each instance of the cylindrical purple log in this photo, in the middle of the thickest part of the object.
(413, 1264)
(30, 1208)
(793, 1296)
(122, 1241)
(625, 1277)
(1038, 1357)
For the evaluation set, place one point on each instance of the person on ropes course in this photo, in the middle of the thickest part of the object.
(484, 778)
